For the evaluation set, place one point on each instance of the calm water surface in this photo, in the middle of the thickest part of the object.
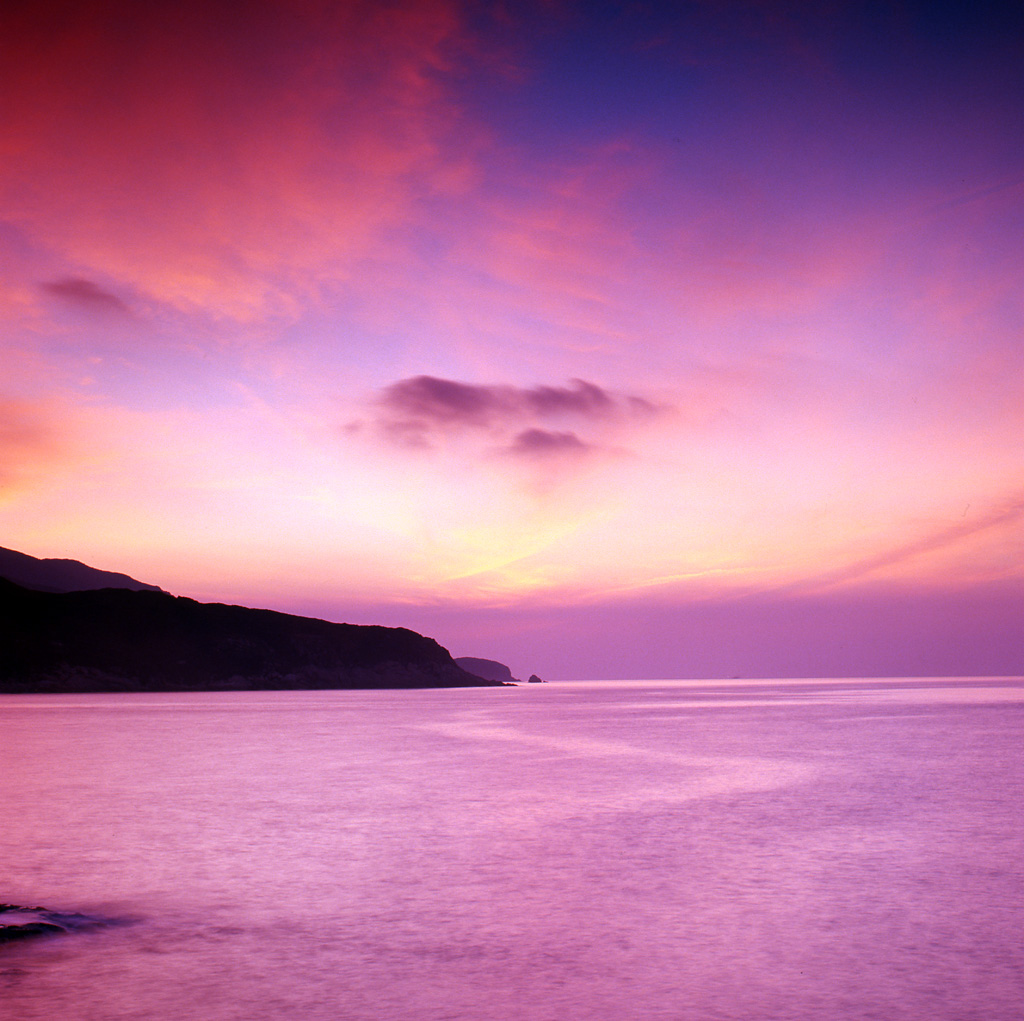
(592, 851)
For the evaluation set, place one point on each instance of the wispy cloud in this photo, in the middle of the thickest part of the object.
(1007, 514)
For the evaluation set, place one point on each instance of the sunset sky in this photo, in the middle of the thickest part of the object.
(604, 339)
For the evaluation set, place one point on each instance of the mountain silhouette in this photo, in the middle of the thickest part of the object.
(123, 639)
(62, 575)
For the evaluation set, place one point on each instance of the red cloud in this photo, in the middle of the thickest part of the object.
(219, 158)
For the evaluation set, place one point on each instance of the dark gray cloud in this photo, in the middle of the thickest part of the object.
(541, 425)
(410, 410)
(540, 443)
(84, 293)
(427, 399)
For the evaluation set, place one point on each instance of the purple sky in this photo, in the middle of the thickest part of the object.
(604, 339)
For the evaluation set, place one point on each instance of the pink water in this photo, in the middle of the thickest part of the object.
(643, 850)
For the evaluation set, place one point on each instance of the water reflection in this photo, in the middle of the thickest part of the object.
(674, 851)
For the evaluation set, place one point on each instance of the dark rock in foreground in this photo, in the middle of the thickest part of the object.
(18, 923)
(121, 640)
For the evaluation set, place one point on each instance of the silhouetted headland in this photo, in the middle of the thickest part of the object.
(117, 639)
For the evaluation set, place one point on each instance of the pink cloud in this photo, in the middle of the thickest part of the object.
(32, 444)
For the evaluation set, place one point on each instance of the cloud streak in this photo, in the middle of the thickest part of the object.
(1006, 515)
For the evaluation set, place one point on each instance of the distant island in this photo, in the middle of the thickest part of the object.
(487, 668)
(139, 638)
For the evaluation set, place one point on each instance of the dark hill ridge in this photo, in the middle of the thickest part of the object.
(120, 640)
(50, 575)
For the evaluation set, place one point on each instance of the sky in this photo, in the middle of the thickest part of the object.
(602, 339)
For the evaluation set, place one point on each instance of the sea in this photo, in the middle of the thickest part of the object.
(784, 850)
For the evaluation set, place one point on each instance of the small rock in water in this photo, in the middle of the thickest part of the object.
(17, 923)
(26, 930)
(534, 679)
